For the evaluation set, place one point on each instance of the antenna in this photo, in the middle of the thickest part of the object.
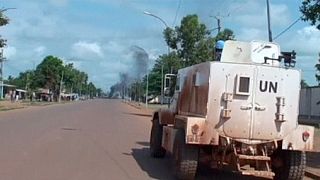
(269, 25)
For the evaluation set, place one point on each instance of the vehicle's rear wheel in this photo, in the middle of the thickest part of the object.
(292, 165)
(156, 150)
(185, 157)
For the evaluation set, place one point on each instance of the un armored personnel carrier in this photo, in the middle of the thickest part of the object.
(241, 112)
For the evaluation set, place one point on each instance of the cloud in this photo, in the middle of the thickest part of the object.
(249, 34)
(87, 50)
(254, 14)
(305, 41)
(280, 15)
(59, 2)
(248, 19)
(9, 52)
(40, 50)
(114, 47)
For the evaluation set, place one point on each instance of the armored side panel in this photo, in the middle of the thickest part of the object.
(193, 90)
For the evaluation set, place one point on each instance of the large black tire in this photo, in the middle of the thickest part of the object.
(156, 150)
(185, 157)
(293, 165)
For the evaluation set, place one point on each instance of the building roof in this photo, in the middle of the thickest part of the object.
(8, 85)
(21, 90)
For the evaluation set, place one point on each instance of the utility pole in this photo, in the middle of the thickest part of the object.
(269, 25)
(218, 23)
(60, 87)
(27, 82)
(318, 69)
(147, 88)
(218, 18)
(1, 73)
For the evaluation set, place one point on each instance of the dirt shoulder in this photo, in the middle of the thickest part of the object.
(8, 105)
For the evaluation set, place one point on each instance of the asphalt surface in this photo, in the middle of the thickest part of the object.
(90, 140)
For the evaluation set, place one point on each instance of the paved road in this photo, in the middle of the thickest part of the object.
(91, 140)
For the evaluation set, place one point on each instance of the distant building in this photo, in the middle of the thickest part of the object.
(70, 96)
(22, 93)
(309, 108)
(44, 95)
(8, 90)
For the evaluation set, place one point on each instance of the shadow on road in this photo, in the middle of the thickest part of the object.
(155, 168)
(161, 168)
(206, 173)
(138, 114)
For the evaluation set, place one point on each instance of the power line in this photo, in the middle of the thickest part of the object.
(292, 24)
(224, 3)
(175, 18)
(285, 30)
(236, 9)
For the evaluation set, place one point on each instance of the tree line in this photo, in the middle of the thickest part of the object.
(52, 74)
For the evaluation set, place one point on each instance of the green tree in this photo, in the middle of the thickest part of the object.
(303, 84)
(74, 80)
(49, 73)
(192, 41)
(185, 39)
(82, 82)
(311, 12)
(204, 51)
(69, 77)
(4, 20)
(226, 34)
(25, 80)
(170, 63)
(317, 66)
(91, 90)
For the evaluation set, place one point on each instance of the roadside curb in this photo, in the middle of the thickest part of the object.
(311, 174)
(140, 107)
(135, 105)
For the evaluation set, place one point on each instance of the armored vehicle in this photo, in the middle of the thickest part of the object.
(240, 112)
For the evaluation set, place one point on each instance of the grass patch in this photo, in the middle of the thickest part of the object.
(157, 106)
(8, 109)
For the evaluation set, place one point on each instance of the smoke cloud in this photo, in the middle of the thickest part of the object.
(141, 59)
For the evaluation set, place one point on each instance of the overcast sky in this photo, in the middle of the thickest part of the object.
(97, 35)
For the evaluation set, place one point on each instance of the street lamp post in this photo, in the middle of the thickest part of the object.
(147, 87)
(1, 73)
(60, 86)
(166, 25)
